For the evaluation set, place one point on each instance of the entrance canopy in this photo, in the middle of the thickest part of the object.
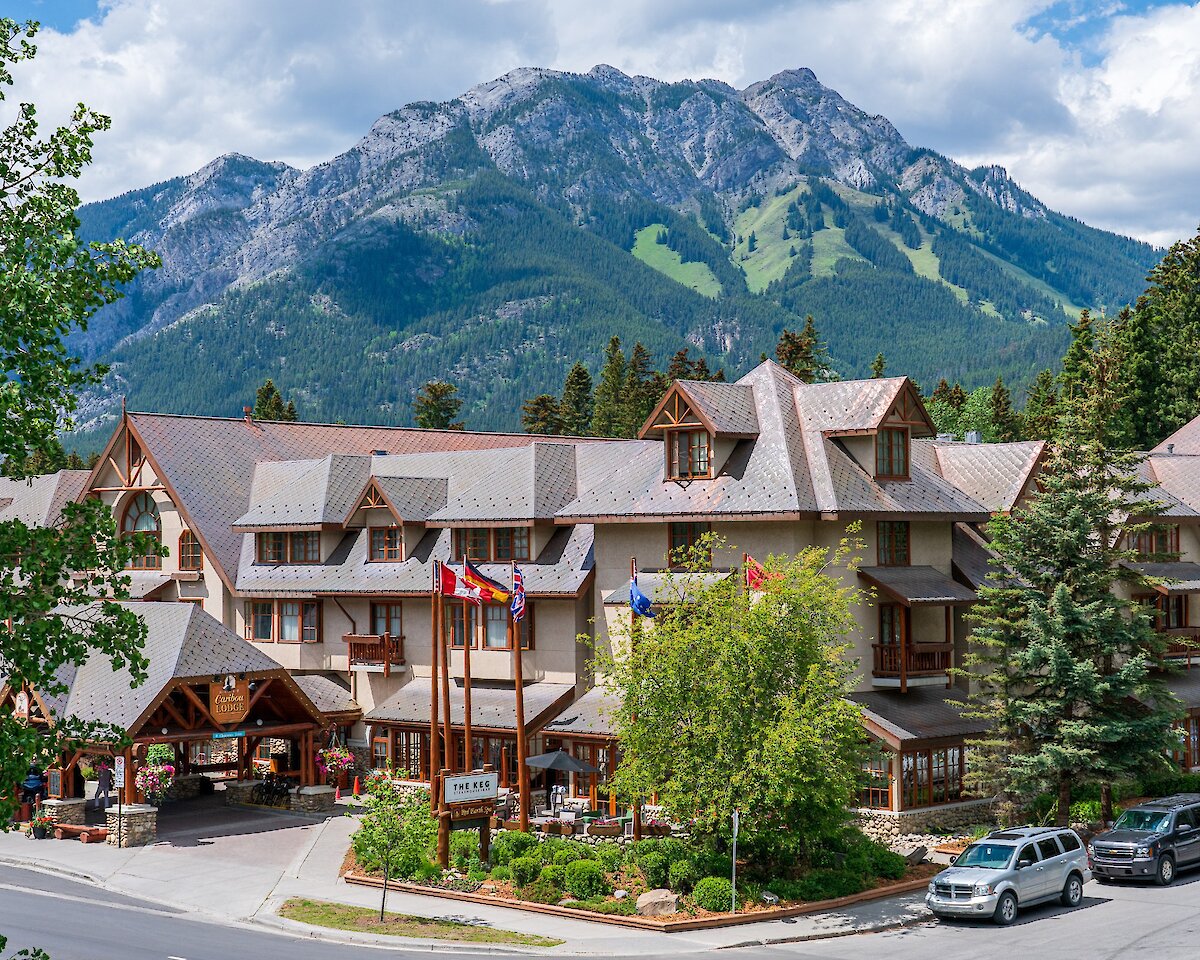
(918, 586)
(1170, 579)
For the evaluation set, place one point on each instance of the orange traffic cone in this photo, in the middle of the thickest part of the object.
(337, 792)
(356, 790)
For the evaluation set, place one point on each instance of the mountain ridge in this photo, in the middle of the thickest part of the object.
(430, 195)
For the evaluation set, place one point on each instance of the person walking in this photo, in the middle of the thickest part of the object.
(104, 785)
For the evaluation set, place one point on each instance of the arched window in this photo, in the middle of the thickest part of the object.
(190, 555)
(141, 516)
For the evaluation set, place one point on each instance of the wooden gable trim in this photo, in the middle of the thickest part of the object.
(105, 458)
(209, 553)
(669, 405)
(373, 490)
(908, 410)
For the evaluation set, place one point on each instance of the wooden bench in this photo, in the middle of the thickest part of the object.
(68, 831)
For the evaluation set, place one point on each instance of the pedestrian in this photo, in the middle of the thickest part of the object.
(104, 785)
(33, 787)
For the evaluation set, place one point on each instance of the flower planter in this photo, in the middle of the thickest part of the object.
(559, 829)
(512, 824)
(40, 833)
(496, 823)
(605, 829)
(657, 830)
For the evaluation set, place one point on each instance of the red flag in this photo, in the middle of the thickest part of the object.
(450, 584)
(756, 574)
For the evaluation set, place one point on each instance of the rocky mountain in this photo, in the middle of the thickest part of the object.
(495, 238)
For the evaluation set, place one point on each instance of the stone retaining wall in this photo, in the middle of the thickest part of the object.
(887, 825)
(238, 791)
(136, 825)
(70, 811)
(313, 800)
(187, 787)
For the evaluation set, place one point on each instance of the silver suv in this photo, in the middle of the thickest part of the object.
(1010, 868)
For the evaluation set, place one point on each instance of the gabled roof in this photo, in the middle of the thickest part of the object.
(1185, 441)
(304, 493)
(328, 695)
(847, 407)
(412, 499)
(995, 474)
(726, 410)
(589, 716)
(208, 463)
(1177, 480)
(38, 501)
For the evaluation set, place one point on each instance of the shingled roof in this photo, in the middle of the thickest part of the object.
(995, 474)
(209, 463)
(905, 720)
(492, 707)
(589, 716)
(38, 501)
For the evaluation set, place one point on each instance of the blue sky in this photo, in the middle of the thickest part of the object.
(1090, 105)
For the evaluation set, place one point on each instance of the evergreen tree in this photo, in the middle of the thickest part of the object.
(608, 414)
(1041, 408)
(575, 406)
(803, 354)
(751, 243)
(1063, 663)
(878, 365)
(941, 393)
(1006, 422)
(641, 390)
(957, 397)
(541, 415)
(437, 405)
(269, 405)
(1072, 380)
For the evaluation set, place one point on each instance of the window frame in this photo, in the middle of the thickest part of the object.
(465, 612)
(673, 438)
(143, 561)
(924, 784)
(889, 441)
(310, 622)
(879, 779)
(394, 610)
(1146, 544)
(891, 624)
(386, 552)
(518, 539)
(286, 552)
(191, 555)
(674, 543)
(887, 543)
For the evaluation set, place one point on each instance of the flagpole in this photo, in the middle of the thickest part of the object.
(514, 641)
(447, 735)
(433, 685)
(468, 639)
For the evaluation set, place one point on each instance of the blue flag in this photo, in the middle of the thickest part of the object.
(638, 600)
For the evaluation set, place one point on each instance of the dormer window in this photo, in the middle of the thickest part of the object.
(688, 455)
(387, 544)
(891, 454)
(288, 547)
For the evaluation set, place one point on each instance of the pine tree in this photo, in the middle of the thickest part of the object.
(541, 415)
(608, 415)
(751, 243)
(957, 397)
(681, 366)
(1063, 663)
(803, 354)
(641, 390)
(269, 405)
(1006, 423)
(1171, 310)
(941, 393)
(437, 405)
(878, 365)
(1072, 380)
(575, 406)
(1041, 408)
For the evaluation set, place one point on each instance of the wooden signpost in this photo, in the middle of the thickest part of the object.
(468, 801)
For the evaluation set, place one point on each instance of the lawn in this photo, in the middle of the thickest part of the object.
(662, 258)
(340, 916)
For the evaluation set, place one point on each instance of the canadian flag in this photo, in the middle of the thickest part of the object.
(450, 584)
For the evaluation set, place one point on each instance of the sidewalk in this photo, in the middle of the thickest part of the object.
(241, 865)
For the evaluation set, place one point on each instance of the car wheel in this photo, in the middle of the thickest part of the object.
(1072, 894)
(1006, 909)
(1166, 871)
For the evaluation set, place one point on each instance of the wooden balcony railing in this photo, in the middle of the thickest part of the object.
(375, 650)
(923, 659)
(1185, 643)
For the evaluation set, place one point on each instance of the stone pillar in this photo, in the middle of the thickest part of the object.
(238, 791)
(313, 800)
(136, 824)
(187, 787)
(69, 811)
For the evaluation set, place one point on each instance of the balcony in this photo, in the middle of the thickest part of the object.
(912, 664)
(374, 653)
(1184, 644)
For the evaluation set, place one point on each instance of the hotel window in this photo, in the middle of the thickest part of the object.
(141, 516)
(386, 618)
(260, 621)
(1173, 612)
(190, 555)
(683, 537)
(893, 543)
(1157, 541)
(687, 454)
(495, 626)
(932, 776)
(288, 547)
(473, 542)
(387, 544)
(461, 622)
(876, 791)
(891, 616)
(891, 454)
(512, 543)
(380, 754)
(285, 621)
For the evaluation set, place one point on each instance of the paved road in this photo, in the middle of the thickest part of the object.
(76, 921)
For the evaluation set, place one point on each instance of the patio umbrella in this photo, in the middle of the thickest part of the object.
(560, 760)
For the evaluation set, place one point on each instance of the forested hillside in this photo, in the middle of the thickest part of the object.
(495, 239)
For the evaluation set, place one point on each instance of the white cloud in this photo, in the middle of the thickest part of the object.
(1109, 137)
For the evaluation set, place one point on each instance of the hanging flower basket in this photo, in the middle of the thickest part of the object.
(334, 761)
(154, 780)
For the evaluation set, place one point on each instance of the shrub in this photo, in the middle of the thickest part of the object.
(609, 855)
(888, 864)
(682, 876)
(585, 879)
(654, 868)
(511, 844)
(464, 844)
(1085, 811)
(621, 908)
(525, 870)
(541, 892)
(714, 894)
(501, 873)
(565, 855)
(829, 885)
(159, 753)
(548, 849)
(553, 873)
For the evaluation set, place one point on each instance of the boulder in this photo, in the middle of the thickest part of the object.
(917, 855)
(620, 894)
(657, 903)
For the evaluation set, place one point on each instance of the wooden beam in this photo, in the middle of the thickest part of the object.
(259, 692)
(175, 714)
(199, 705)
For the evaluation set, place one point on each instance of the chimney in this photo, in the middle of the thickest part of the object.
(945, 438)
(248, 414)
(974, 436)
(1170, 448)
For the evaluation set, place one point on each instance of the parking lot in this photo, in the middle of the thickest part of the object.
(1119, 920)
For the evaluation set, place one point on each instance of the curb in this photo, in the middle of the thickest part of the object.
(53, 869)
(912, 921)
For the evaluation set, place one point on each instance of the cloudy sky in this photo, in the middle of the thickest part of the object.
(1091, 104)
